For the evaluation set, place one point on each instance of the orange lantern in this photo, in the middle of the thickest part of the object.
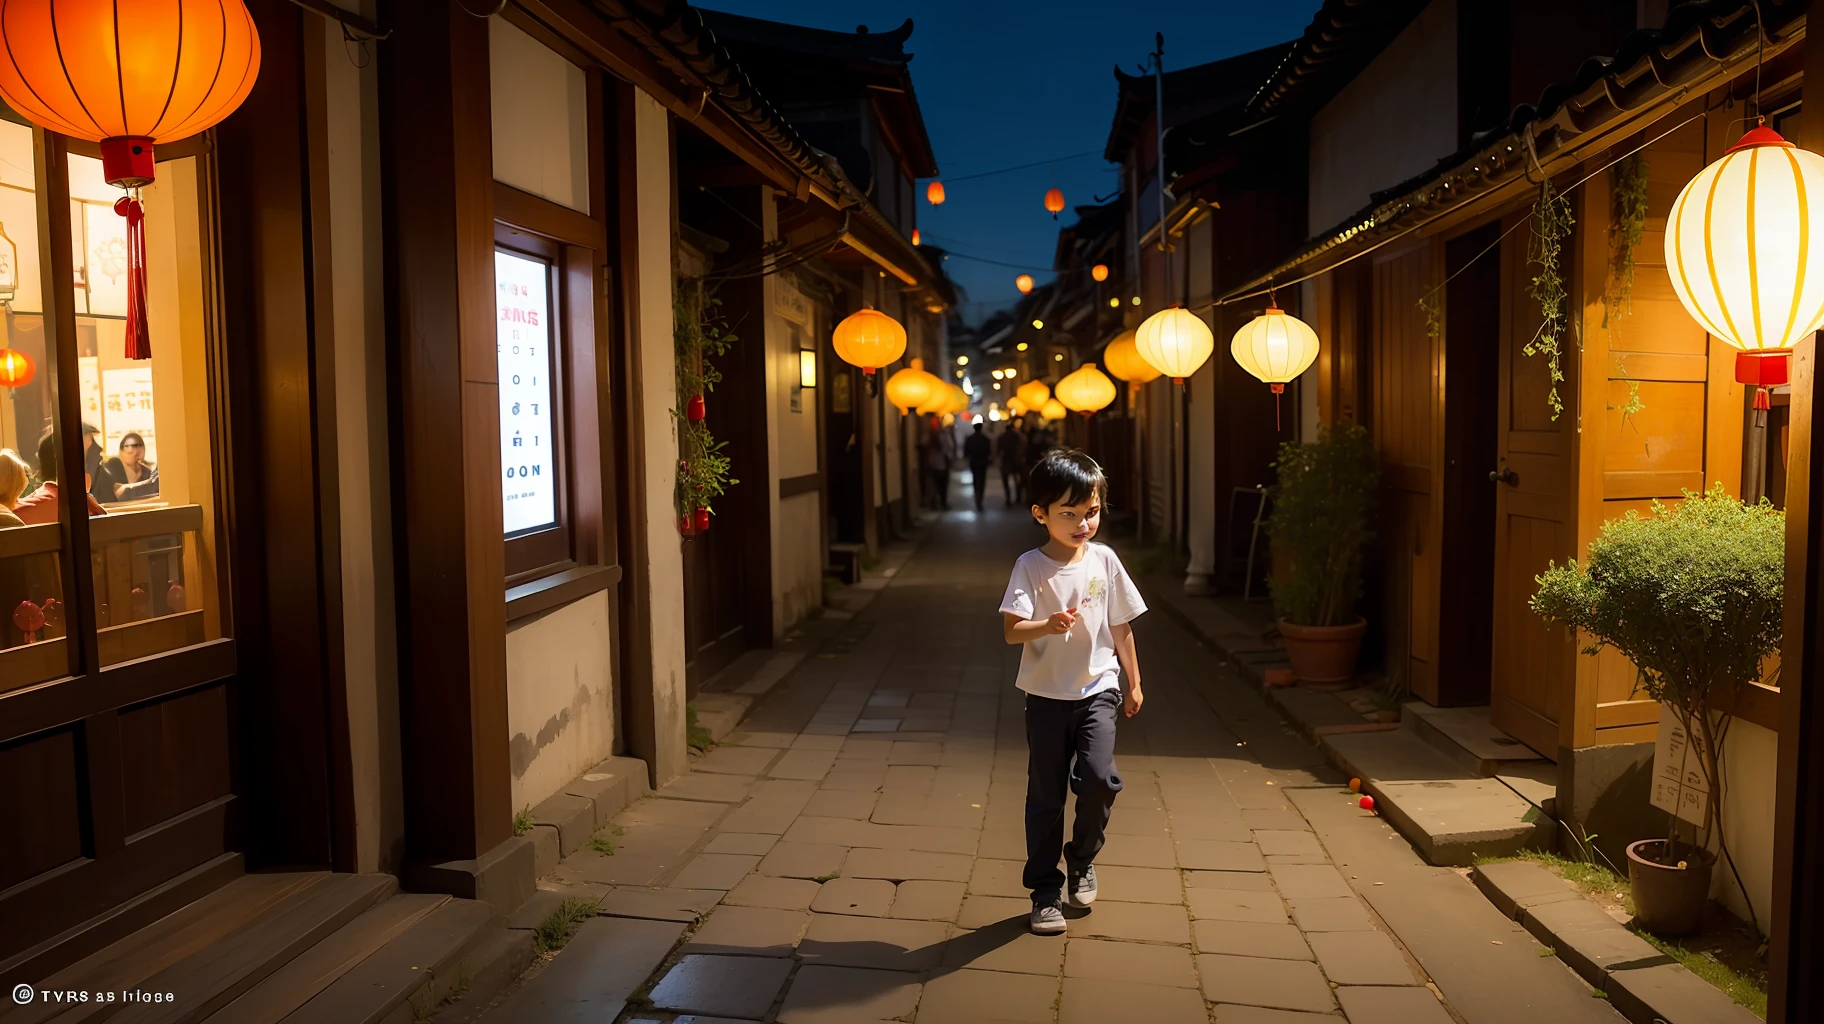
(1054, 202)
(915, 237)
(911, 386)
(1099, 272)
(934, 193)
(869, 339)
(1015, 407)
(1023, 283)
(1086, 390)
(1122, 357)
(157, 71)
(16, 368)
(1033, 393)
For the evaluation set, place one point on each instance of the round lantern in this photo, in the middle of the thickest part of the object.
(1033, 393)
(1023, 283)
(934, 193)
(1122, 357)
(1015, 407)
(869, 339)
(158, 71)
(1054, 202)
(1738, 249)
(908, 388)
(1086, 390)
(1175, 341)
(1099, 272)
(16, 368)
(1053, 410)
(1275, 347)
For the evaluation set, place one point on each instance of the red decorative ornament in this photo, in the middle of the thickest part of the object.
(16, 368)
(139, 337)
(694, 410)
(1761, 370)
(701, 520)
(1366, 803)
(30, 619)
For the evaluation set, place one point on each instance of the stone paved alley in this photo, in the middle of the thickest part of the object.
(853, 851)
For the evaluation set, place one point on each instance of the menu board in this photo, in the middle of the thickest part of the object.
(127, 399)
(522, 293)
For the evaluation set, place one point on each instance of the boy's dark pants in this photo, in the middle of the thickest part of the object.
(1058, 733)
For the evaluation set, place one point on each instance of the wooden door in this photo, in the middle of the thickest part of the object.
(1407, 361)
(1535, 516)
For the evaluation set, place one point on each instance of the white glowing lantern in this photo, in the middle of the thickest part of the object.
(1275, 347)
(1738, 248)
(1175, 341)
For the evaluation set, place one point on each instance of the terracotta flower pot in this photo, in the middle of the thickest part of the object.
(1323, 654)
(1668, 899)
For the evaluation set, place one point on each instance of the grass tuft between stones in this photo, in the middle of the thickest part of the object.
(554, 932)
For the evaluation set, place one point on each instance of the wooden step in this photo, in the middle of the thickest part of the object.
(314, 970)
(221, 972)
(60, 952)
(409, 976)
(128, 962)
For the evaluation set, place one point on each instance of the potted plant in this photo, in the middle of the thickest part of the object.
(1692, 596)
(1322, 510)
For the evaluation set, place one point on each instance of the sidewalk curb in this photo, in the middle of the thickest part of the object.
(1645, 985)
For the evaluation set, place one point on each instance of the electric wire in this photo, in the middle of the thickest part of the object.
(1020, 167)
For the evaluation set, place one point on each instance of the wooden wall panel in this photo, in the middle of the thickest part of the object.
(177, 755)
(47, 803)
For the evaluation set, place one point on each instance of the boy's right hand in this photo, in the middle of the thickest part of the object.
(1061, 621)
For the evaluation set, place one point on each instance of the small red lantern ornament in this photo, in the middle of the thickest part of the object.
(16, 368)
(1099, 272)
(127, 76)
(694, 410)
(1054, 202)
(917, 239)
(934, 193)
(30, 619)
(700, 520)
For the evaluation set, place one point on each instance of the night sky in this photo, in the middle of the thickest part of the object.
(1006, 82)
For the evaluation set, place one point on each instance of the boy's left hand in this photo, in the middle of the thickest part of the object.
(1134, 699)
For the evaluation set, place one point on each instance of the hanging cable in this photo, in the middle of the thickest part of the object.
(1020, 167)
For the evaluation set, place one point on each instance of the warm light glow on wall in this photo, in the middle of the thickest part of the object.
(807, 368)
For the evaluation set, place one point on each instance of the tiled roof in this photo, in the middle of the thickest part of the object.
(1190, 93)
(1340, 41)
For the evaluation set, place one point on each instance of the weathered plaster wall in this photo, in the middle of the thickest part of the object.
(664, 577)
(793, 320)
(1394, 120)
(1749, 765)
(370, 660)
(560, 698)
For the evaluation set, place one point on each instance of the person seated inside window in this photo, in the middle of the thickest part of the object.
(129, 476)
(41, 506)
(14, 475)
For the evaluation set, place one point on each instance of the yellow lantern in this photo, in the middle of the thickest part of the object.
(870, 339)
(1122, 357)
(1738, 249)
(1086, 390)
(1053, 410)
(910, 386)
(1175, 341)
(1034, 393)
(1015, 407)
(1275, 347)
(1023, 283)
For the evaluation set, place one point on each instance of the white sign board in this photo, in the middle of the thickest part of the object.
(1679, 787)
(126, 398)
(522, 291)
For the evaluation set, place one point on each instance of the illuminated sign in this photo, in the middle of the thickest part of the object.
(522, 292)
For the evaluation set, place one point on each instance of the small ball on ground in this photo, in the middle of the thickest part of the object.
(1366, 803)
(1355, 785)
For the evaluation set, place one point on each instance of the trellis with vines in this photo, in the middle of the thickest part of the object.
(1627, 226)
(700, 335)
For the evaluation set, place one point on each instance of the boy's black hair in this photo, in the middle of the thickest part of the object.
(1066, 475)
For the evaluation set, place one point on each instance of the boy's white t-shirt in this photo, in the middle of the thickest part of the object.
(1082, 662)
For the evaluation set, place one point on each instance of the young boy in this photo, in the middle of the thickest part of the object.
(1069, 604)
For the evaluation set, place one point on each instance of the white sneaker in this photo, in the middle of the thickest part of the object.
(1047, 918)
(1082, 888)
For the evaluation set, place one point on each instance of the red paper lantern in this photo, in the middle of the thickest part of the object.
(934, 193)
(1054, 202)
(694, 410)
(916, 238)
(127, 76)
(16, 368)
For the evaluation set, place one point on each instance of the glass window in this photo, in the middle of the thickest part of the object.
(528, 448)
(32, 564)
(146, 422)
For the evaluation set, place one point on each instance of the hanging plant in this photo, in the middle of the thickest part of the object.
(1627, 225)
(1552, 225)
(700, 335)
(1432, 305)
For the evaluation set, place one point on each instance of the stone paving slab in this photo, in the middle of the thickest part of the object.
(1139, 963)
(926, 900)
(1141, 922)
(750, 931)
(1244, 938)
(1006, 945)
(880, 943)
(1392, 1006)
(1360, 958)
(728, 986)
(1256, 981)
(611, 959)
(1237, 905)
(758, 890)
(863, 897)
(1100, 1001)
(973, 995)
(844, 995)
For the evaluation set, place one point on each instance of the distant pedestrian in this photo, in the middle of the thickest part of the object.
(937, 469)
(1068, 604)
(980, 453)
(1012, 451)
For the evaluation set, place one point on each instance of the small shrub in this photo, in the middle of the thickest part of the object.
(1323, 508)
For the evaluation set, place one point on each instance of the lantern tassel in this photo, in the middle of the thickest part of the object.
(1278, 389)
(1763, 400)
(139, 337)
